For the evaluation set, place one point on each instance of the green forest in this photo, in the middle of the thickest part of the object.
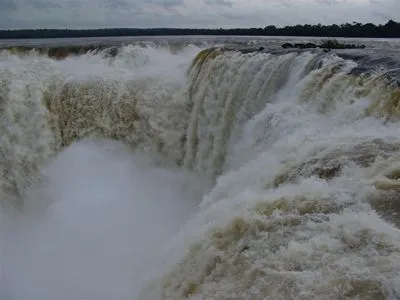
(389, 30)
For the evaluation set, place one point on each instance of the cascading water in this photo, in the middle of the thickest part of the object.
(83, 218)
(295, 156)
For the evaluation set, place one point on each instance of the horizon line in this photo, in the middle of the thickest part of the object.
(197, 28)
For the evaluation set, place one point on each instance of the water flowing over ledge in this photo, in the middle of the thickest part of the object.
(300, 151)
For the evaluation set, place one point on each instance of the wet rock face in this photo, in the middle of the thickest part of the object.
(331, 44)
(62, 52)
(299, 45)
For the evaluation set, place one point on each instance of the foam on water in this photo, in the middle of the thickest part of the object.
(107, 214)
(92, 218)
(290, 215)
(48, 104)
(296, 156)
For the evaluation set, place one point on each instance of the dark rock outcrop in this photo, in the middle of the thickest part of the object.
(330, 44)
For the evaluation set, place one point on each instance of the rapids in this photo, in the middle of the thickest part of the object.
(198, 172)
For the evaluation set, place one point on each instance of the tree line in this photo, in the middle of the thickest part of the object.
(389, 30)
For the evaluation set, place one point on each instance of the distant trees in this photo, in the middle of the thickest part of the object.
(389, 30)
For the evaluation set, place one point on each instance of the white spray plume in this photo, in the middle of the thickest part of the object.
(109, 213)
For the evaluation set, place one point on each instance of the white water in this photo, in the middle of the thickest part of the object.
(94, 222)
(267, 131)
(109, 214)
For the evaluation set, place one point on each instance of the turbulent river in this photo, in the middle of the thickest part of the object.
(199, 169)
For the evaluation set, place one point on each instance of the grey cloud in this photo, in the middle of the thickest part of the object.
(330, 2)
(384, 17)
(43, 4)
(189, 13)
(219, 2)
(386, 10)
(8, 5)
(119, 4)
(164, 3)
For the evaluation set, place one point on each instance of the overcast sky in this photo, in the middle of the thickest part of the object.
(190, 13)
